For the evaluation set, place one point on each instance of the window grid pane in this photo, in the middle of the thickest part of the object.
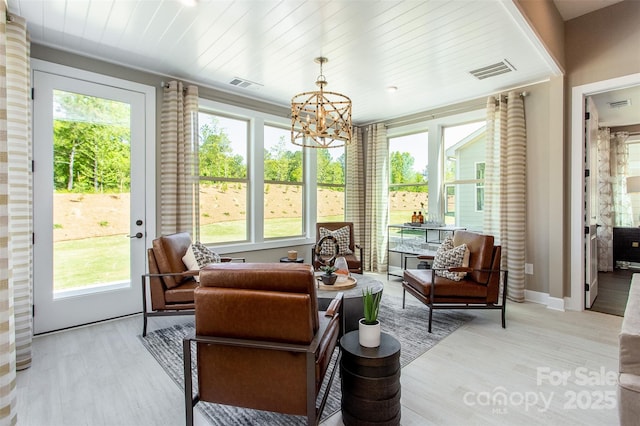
(283, 185)
(223, 144)
(409, 177)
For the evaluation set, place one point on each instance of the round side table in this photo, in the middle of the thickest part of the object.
(296, 260)
(370, 381)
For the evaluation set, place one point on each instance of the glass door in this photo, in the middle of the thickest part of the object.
(89, 201)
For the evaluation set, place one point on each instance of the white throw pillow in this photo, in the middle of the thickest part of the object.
(342, 235)
(198, 256)
(450, 256)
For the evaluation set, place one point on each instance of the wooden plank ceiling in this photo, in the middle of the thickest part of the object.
(424, 48)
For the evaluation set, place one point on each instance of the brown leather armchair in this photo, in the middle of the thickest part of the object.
(261, 342)
(171, 285)
(354, 262)
(479, 289)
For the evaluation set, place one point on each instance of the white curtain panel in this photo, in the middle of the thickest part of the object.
(505, 185)
(376, 198)
(354, 185)
(15, 210)
(179, 201)
(620, 170)
(605, 203)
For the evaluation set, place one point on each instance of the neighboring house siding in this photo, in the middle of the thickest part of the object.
(468, 155)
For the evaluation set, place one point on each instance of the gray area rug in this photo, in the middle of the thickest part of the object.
(408, 325)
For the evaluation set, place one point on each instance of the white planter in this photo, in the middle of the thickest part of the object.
(369, 335)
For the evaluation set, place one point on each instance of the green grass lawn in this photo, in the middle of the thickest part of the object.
(89, 261)
(79, 263)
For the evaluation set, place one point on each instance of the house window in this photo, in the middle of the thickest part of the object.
(283, 184)
(224, 181)
(464, 154)
(408, 177)
(331, 184)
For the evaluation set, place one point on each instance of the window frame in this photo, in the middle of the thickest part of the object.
(334, 185)
(435, 128)
(302, 184)
(427, 184)
(255, 173)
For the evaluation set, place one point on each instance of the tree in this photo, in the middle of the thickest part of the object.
(330, 171)
(402, 172)
(281, 164)
(216, 154)
(91, 143)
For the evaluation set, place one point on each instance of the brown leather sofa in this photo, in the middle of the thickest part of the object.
(171, 285)
(479, 289)
(261, 342)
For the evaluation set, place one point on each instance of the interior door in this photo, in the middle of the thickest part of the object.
(89, 201)
(591, 203)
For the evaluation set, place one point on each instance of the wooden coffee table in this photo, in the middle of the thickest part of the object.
(353, 308)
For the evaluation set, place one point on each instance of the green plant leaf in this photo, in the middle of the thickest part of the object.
(371, 303)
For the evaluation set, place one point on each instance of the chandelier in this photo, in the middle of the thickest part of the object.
(321, 119)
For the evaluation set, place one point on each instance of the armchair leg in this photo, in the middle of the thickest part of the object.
(144, 307)
(188, 389)
(144, 324)
(404, 295)
(430, 317)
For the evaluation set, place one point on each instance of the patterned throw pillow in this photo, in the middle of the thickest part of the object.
(342, 235)
(449, 256)
(198, 256)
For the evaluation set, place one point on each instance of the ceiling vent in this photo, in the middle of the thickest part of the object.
(245, 84)
(620, 104)
(492, 70)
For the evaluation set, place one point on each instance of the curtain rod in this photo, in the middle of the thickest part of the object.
(473, 105)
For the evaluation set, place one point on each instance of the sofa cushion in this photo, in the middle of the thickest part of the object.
(198, 256)
(449, 256)
(341, 235)
(181, 294)
(630, 332)
(446, 290)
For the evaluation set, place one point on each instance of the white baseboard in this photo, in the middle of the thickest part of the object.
(555, 303)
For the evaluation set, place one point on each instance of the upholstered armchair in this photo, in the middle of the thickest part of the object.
(261, 342)
(171, 284)
(343, 239)
(478, 289)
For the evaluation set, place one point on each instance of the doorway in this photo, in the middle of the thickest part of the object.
(579, 197)
(93, 195)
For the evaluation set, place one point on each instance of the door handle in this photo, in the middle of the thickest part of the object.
(138, 235)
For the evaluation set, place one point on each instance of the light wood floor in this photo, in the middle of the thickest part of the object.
(102, 375)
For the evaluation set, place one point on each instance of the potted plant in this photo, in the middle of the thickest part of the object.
(369, 326)
(328, 278)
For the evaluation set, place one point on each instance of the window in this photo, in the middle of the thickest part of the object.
(257, 189)
(224, 179)
(283, 184)
(331, 184)
(408, 177)
(464, 153)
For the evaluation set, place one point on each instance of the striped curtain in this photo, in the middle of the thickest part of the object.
(505, 185)
(354, 185)
(376, 198)
(15, 210)
(179, 201)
